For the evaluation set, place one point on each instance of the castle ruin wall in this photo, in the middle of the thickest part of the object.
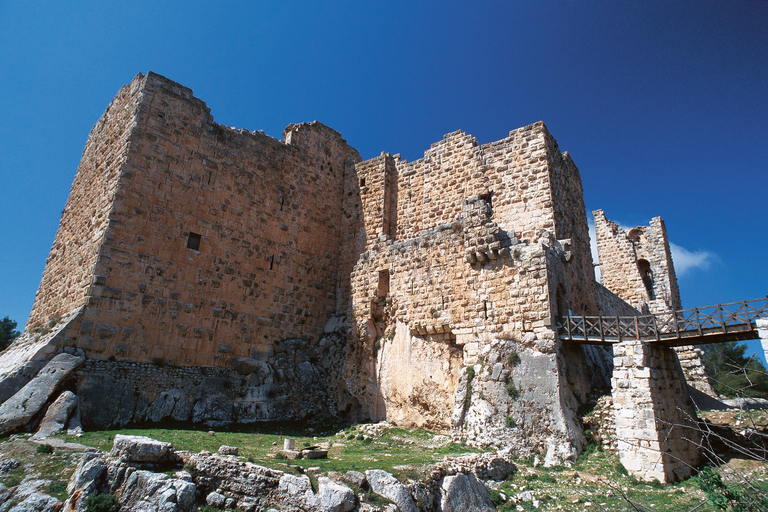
(264, 214)
(68, 273)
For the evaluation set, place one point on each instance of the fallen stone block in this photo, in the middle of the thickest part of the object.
(57, 415)
(22, 407)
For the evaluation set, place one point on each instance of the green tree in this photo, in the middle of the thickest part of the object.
(734, 374)
(7, 332)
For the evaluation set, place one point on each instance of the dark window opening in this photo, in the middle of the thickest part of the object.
(485, 310)
(362, 182)
(383, 289)
(193, 242)
(271, 262)
(646, 274)
(282, 201)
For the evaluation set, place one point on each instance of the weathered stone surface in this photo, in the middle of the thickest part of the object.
(334, 497)
(37, 502)
(57, 415)
(148, 491)
(19, 410)
(388, 486)
(140, 449)
(463, 492)
(215, 499)
(385, 280)
(7, 465)
(89, 477)
(227, 450)
(656, 427)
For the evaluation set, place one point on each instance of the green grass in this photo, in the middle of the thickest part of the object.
(401, 451)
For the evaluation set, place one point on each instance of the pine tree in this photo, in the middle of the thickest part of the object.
(733, 374)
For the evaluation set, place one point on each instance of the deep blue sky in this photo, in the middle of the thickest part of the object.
(663, 105)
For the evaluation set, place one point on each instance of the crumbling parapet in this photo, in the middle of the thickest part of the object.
(656, 430)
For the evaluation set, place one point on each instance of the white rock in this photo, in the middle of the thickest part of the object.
(140, 449)
(334, 497)
(388, 486)
(463, 492)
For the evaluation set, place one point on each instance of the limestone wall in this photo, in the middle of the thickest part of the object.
(69, 269)
(657, 436)
(622, 253)
(264, 212)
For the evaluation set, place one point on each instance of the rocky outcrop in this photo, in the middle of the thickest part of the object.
(37, 502)
(463, 492)
(388, 486)
(130, 472)
(301, 380)
(141, 449)
(22, 407)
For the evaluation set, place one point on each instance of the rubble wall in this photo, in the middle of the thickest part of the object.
(266, 216)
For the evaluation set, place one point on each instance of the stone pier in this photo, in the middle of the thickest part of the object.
(655, 418)
(762, 330)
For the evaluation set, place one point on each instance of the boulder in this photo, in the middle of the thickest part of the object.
(227, 450)
(19, 410)
(388, 486)
(141, 449)
(334, 497)
(7, 465)
(37, 502)
(463, 492)
(57, 415)
(355, 478)
(215, 499)
(88, 478)
(148, 491)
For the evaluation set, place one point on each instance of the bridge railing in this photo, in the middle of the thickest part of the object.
(720, 319)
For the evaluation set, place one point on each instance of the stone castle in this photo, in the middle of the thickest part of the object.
(217, 275)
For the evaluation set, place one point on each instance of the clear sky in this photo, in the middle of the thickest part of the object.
(663, 105)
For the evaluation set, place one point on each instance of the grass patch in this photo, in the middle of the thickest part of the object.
(403, 452)
(58, 490)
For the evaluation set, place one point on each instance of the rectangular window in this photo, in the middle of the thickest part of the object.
(383, 290)
(193, 242)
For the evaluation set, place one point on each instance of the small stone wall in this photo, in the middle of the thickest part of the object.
(656, 429)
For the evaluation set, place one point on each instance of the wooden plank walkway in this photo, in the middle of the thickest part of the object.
(711, 324)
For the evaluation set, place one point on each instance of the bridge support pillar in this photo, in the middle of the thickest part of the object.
(655, 418)
(762, 331)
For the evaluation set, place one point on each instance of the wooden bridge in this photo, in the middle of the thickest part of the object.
(696, 326)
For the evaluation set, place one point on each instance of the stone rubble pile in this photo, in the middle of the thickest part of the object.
(131, 472)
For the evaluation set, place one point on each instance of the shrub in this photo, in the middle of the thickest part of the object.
(102, 503)
(510, 422)
(511, 390)
(513, 359)
(58, 489)
(44, 448)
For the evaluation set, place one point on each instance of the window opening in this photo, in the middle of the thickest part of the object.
(646, 274)
(383, 289)
(193, 242)
(281, 203)
(271, 262)
(362, 182)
